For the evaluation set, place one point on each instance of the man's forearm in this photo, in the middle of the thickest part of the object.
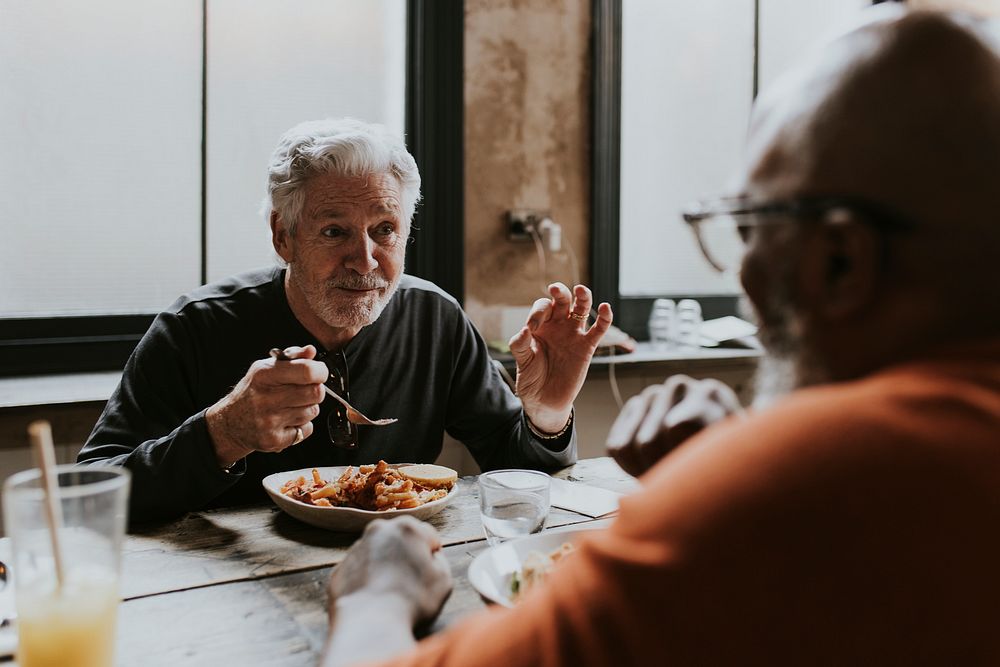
(170, 475)
(367, 628)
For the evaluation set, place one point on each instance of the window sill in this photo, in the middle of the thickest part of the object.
(647, 353)
(66, 388)
(72, 402)
(647, 356)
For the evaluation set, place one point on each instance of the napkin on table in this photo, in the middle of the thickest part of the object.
(582, 498)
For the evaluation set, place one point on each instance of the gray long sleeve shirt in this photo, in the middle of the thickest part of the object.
(421, 361)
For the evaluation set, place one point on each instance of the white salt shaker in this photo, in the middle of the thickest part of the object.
(688, 324)
(661, 323)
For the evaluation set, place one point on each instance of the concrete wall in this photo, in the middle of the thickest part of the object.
(527, 133)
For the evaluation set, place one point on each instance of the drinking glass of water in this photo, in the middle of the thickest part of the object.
(513, 503)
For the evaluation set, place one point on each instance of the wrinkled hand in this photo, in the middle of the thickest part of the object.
(553, 352)
(397, 563)
(271, 408)
(663, 416)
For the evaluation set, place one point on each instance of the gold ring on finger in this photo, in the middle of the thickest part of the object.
(299, 435)
(578, 317)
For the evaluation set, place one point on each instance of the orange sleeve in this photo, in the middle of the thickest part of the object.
(629, 595)
(556, 624)
(835, 529)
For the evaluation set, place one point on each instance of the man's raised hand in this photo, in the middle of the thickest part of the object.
(553, 352)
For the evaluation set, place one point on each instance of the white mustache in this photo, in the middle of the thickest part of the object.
(360, 282)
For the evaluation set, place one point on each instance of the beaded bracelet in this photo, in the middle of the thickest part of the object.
(553, 436)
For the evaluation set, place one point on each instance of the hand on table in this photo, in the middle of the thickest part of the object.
(271, 408)
(663, 416)
(553, 352)
(398, 562)
(392, 578)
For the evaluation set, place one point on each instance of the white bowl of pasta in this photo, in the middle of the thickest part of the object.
(498, 572)
(347, 498)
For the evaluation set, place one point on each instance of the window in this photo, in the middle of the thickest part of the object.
(673, 89)
(100, 129)
(138, 134)
(270, 68)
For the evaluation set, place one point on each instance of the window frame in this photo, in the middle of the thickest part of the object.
(435, 111)
(434, 129)
(631, 312)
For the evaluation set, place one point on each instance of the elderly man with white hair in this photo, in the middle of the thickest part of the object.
(227, 385)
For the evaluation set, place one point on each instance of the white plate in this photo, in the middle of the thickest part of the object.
(491, 570)
(345, 519)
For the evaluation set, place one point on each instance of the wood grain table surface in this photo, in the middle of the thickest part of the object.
(247, 586)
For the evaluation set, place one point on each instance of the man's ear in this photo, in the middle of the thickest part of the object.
(281, 239)
(841, 280)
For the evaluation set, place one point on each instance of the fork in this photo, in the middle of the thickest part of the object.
(356, 417)
(353, 415)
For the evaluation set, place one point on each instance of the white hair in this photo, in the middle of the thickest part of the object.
(343, 146)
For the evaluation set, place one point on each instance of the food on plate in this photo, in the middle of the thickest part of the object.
(430, 475)
(536, 568)
(378, 487)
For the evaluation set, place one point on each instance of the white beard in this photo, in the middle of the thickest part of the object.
(339, 312)
(788, 363)
(775, 377)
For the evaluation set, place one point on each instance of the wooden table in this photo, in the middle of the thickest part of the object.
(247, 586)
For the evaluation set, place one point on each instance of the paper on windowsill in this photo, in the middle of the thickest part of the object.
(582, 498)
(722, 329)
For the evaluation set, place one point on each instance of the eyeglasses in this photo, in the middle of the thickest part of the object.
(723, 226)
(342, 432)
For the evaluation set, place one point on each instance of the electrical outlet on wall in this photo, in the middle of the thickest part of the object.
(522, 223)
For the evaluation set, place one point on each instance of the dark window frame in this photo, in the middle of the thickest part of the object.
(434, 130)
(435, 112)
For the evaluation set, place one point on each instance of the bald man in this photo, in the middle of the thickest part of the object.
(850, 518)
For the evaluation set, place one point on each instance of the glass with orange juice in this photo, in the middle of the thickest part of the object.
(68, 622)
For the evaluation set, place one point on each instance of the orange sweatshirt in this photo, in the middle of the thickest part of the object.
(855, 523)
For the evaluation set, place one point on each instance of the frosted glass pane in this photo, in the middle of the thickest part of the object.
(687, 86)
(272, 65)
(100, 134)
(790, 28)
